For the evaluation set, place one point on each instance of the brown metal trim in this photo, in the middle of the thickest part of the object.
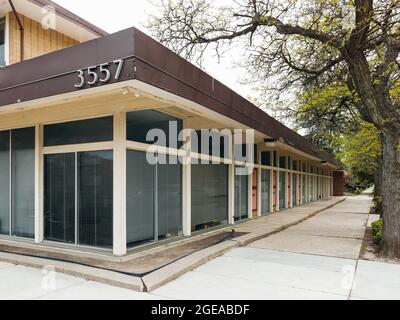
(149, 62)
(68, 15)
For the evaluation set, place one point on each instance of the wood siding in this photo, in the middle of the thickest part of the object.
(37, 40)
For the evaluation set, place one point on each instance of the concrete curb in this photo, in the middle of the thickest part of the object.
(76, 270)
(160, 277)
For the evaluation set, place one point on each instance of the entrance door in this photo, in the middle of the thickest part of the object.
(254, 190)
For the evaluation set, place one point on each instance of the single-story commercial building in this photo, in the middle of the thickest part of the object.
(77, 108)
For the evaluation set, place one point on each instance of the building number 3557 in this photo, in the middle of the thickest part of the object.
(103, 76)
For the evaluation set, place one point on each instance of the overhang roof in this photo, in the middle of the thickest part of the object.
(66, 22)
(150, 62)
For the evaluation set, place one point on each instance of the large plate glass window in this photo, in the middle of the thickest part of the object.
(210, 142)
(294, 189)
(76, 132)
(209, 195)
(17, 171)
(78, 202)
(95, 198)
(241, 197)
(265, 191)
(59, 197)
(282, 190)
(78, 186)
(2, 41)
(5, 182)
(140, 123)
(154, 199)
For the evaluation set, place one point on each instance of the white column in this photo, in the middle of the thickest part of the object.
(119, 203)
(187, 183)
(39, 217)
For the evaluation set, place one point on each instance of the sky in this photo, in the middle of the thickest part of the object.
(116, 15)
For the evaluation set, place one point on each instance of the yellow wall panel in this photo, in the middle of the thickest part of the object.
(37, 40)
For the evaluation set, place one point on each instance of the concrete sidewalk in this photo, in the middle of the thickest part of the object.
(255, 229)
(315, 259)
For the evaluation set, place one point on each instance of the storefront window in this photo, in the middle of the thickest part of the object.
(241, 152)
(209, 195)
(17, 170)
(76, 132)
(241, 197)
(2, 42)
(210, 142)
(265, 188)
(266, 158)
(59, 198)
(5, 182)
(139, 123)
(154, 200)
(282, 190)
(294, 189)
(23, 182)
(79, 197)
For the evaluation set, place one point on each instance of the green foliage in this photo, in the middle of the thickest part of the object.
(377, 228)
(326, 112)
(329, 115)
(359, 152)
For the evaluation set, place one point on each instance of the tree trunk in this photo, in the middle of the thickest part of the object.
(390, 246)
(378, 181)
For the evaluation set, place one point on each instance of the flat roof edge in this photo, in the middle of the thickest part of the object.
(150, 62)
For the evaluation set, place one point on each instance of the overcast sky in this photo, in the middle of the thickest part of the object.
(117, 15)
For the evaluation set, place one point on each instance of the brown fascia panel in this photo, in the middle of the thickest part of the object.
(150, 62)
(55, 73)
(68, 15)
